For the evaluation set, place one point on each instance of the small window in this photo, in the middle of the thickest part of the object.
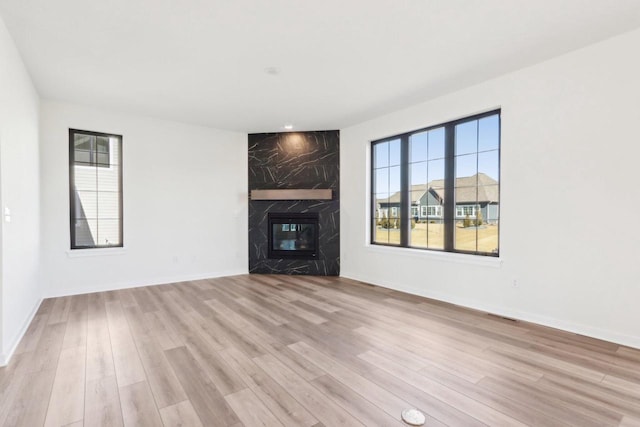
(95, 172)
(435, 211)
(92, 150)
(464, 211)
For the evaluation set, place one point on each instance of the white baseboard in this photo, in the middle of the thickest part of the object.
(6, 356)
(576, 328)
(140, 283)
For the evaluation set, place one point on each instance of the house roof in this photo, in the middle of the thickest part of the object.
(417, 191)
(466, 188)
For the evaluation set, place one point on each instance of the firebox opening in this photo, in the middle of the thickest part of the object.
(293, 235)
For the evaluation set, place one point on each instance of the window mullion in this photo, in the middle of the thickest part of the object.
(449, 187)
(405, 210)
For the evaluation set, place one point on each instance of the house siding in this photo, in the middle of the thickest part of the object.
(97, 198)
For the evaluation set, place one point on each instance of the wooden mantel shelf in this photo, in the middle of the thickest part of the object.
(293, 194)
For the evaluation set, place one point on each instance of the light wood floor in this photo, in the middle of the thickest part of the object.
(304, 351)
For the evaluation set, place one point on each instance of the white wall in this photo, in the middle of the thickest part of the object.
(569, 198)
(19, 191)
(185, 202)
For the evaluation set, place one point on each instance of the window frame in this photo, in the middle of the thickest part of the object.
(72, 201)
(448, 212)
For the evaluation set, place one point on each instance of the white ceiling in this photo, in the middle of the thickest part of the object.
(339, 61)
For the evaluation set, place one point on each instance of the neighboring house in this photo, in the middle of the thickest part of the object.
(97, 199)
(473, 193)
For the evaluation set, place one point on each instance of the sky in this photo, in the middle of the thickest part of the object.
(476, 149)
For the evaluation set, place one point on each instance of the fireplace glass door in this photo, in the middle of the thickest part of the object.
(293, 235)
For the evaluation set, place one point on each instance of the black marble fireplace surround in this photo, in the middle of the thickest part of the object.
(295, 160)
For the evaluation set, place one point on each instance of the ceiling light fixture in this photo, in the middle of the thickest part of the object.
(288, 126)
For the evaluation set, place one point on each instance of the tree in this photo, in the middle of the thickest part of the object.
(394, 223)
(479, 219)
(384, 221)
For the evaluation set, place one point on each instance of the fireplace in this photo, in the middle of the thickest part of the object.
(293, 235)
(291, 173)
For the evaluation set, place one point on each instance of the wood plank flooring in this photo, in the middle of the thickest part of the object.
(266, 350)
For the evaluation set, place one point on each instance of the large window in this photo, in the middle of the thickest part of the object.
(95, 193)
(452, 171)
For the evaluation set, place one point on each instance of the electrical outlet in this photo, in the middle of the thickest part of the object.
(515, 283)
